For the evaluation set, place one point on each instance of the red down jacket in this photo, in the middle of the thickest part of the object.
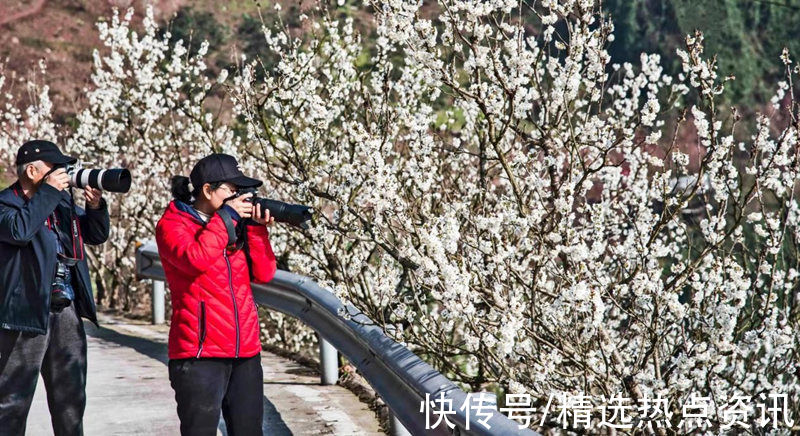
(213, 310)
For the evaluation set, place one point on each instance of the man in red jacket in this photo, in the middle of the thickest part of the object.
(212, 243)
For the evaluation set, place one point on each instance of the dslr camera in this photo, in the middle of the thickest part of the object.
(297, 215)
(61, 295)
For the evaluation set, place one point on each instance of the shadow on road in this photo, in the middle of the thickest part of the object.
(271, 422)
(150, 348)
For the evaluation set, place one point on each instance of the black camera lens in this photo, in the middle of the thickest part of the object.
(295, 214)
(59, 297)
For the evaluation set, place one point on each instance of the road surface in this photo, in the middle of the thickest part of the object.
(128, 391)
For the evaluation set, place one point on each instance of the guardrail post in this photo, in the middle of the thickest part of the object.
(396, 428)
(329, 359)
(157, 302)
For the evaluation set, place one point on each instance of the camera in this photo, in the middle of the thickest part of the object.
(60, 296)
(112, 180)
(295, 214)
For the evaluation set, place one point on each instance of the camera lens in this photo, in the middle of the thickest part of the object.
(113, 180)
(59, 296)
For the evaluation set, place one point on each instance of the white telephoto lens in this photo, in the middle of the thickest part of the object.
(100, 179)
(84, 177)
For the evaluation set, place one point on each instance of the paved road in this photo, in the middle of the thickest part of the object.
(129, 394)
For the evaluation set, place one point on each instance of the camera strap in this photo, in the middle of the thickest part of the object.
(230, 227)
(237, 234)
(75, 228)
(231, 197)
(47, 174)
(72, 241)
(246, 249)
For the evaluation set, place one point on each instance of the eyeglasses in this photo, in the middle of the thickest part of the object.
(229, 187)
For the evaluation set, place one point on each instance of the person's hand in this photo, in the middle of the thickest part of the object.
(266, 220)
(58, 179)
(92, 197)
(240, 204)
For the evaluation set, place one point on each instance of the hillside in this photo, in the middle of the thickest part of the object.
(746, 36)
(63, 33)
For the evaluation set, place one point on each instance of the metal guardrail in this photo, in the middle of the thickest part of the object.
(399, 376)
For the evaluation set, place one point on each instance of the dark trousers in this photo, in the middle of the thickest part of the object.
(60, 356)
(204, 387)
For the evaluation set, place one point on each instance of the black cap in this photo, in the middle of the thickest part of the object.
(40, 149)
(219, 167)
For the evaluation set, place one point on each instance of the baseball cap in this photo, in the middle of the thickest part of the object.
(220, 167)
(40, 149)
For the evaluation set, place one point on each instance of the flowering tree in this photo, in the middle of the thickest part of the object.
(509, 201)
(17, 125)
(146, 112)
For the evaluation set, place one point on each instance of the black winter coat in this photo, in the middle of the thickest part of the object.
(28, 256)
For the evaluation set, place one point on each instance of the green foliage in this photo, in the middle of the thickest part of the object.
(194, 27)
(746, 35)
(727, 36)
(250, 36)
(451, 118)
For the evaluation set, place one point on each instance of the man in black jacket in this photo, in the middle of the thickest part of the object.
(45, 289)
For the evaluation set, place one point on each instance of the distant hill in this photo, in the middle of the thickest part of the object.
(747, 35)
(63, 33)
